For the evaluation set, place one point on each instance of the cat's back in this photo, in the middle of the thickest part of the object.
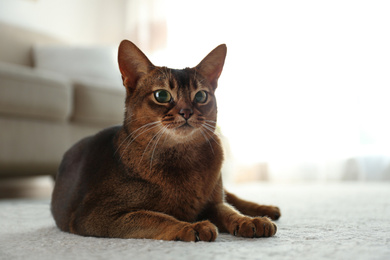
(81, 166)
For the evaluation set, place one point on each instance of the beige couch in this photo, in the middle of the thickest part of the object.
(44, 107)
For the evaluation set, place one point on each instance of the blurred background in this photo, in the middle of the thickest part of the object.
(304, 95)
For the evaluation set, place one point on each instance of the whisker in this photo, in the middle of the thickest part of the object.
(146, 130)
(201, 81)
(211, 126)
(211, 129)
(211, 123)
(146, 148)
(166, 136)
(204, 135)
(154, 125)
(130, 136)
(212, 135)
(160, 70)
(135, 119)
(155, 146)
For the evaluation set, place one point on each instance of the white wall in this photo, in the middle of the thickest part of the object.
(305, 84)
(76, 21)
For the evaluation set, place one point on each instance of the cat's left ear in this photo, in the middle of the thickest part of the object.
(133, 63)
(211, 66)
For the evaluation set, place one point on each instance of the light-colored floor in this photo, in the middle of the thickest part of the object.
(319, 221)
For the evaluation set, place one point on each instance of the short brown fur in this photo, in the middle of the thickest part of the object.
(158, 175)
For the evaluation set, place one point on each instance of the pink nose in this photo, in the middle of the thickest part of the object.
(186, 113)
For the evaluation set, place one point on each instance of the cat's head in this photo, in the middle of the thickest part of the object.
(177, 104)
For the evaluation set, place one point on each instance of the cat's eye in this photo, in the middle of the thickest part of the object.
(162, 96)
(201, 97)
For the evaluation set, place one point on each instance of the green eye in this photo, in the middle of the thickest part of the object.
(201, 97)
(162, 96)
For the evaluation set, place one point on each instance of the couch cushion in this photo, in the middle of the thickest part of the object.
(28, 92)
(99, 92)
(98, 103)
(79, 62)
(20, 140)
(16, 44)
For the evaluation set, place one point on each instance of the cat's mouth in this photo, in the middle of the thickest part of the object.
(185, 129)
(181, 125)
(186, 125)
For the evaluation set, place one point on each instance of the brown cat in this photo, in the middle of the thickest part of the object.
(158, 175)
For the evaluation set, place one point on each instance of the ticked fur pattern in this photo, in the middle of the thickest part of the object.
(158, 175)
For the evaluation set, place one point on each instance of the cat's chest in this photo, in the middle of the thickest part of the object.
(185, 203)
(186, 190)
(185, 179)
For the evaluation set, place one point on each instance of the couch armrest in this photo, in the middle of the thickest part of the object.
(27, 92)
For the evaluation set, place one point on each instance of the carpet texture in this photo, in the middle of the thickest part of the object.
(319, 221)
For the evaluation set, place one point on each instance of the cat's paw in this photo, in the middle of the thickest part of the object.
(199, 231)
(253, 227)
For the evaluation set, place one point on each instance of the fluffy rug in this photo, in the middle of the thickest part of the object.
(327, 221)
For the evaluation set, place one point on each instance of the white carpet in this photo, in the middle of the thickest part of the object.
(332, 221)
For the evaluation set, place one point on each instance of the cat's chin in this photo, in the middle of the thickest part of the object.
(183, 133)
(184, 130)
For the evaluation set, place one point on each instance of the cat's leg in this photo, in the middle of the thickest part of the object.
(230, 220)
(252, 209)
(144, 224)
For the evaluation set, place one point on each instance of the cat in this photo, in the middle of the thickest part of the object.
(157, 176)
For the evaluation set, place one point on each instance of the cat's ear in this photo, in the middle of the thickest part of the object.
(133, 63)
(211, 66)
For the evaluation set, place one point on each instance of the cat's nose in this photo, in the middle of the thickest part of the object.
(186, 113)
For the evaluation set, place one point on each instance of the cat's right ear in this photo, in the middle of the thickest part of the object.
(133, 63)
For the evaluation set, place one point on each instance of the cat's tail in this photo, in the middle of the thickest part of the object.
(252, 209)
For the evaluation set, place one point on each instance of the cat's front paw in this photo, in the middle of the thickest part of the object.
(199, 231)
(253, 227)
